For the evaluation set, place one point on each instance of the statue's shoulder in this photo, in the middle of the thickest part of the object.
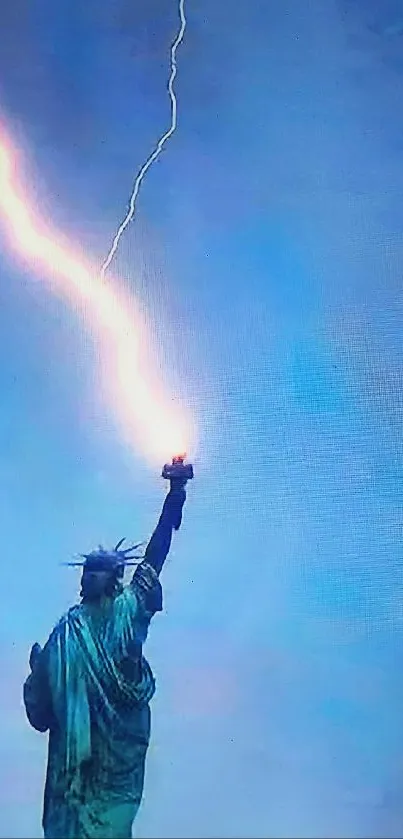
(126, 600)
(148, 590)
(71, 616)
(74, 613)
(145, 578)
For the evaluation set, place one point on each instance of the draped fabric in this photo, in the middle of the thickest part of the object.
(91, 687)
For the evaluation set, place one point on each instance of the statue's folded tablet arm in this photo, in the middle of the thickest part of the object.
(37, 696)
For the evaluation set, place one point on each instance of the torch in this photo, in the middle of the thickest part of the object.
(178, 470)
(178, 473)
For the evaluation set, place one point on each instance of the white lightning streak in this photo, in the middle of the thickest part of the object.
(158, 149)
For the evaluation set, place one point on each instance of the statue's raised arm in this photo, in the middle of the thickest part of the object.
(170, 519)
(145, 578)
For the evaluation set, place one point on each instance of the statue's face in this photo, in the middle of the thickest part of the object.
(94, 584)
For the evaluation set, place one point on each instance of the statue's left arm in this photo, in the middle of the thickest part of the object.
(36, 692)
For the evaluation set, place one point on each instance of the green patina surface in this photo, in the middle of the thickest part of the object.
(91, 687)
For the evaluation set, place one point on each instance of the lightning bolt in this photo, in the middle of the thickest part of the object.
(158, 428)
(161, 142)
(143, 412)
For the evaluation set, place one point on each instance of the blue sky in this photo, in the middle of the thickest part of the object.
(267, 255)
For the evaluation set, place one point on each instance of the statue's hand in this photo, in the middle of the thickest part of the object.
(36, 650)
(178, 473)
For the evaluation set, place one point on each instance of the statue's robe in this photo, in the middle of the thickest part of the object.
(90, 688)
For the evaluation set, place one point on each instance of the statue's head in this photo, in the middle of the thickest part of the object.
(103, 571)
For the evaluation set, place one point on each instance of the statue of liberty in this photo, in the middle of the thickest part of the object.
(90, 686)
